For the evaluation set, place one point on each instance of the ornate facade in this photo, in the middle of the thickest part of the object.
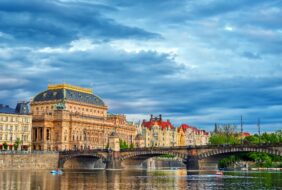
(181, 136)
(15, 124)
(193, 136)
(70, 117)
(159, 133)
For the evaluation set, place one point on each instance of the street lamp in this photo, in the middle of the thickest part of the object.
(259, 129)
(22, 137)
(241, 130)
(11, 137)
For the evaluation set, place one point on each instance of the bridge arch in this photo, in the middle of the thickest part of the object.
(217, 152)
(208, 159)
(152, 154)
(68, 157)
(137, 158)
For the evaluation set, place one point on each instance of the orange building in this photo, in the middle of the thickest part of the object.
(70, 117)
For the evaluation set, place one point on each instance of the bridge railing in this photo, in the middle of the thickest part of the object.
(83, 151)
(262, 145)
(27, 152)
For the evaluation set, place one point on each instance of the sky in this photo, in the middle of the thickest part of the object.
(196, 62)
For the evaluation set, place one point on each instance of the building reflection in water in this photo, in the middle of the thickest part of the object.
(93, 179)
(111, 179)
(134, 179)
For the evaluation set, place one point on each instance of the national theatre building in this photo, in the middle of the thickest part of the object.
(70, 117)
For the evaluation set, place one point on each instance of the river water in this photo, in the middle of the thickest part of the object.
(138, 179)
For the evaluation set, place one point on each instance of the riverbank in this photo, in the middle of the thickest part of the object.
(266, 169)
(28, 160)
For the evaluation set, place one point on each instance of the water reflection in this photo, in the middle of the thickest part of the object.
(138, 179)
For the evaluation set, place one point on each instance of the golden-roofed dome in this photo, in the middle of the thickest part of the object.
(69, 92)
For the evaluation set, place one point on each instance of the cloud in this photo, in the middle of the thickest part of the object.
(55, 23)
(199, 62)
(251, 55)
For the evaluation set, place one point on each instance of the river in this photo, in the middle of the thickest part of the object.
(138, 179)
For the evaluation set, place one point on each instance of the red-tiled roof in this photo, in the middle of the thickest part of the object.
(197, 131)
(158, 122)
(185, 127)
(246, 134)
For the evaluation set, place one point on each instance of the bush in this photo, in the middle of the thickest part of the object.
(5, 145)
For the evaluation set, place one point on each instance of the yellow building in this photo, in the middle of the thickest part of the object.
(181, 136)
(193, 136)
(70, 117)
(15, 125)
(159, 133)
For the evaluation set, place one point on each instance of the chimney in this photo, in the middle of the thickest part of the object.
(151, 117)
(160, 117)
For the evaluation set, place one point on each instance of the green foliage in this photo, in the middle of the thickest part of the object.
(123, 144)
(264, 138)
(5, 146)
(131, 146)
(17, 143)
(167, 156)
(228, 137)
(224, 163)
(220, 138)
(253, 139)
(260, 159)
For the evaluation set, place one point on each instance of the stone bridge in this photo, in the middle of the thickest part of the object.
(195, 157)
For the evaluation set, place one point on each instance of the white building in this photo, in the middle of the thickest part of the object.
(15, 126)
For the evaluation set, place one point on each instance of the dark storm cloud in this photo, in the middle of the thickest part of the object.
(54, 23)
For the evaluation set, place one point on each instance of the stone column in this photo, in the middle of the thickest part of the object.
(37, 134)
(41, 134)
(34, 136)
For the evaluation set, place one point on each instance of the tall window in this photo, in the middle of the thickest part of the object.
(48, 134)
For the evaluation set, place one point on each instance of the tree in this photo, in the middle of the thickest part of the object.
(218, 139)
(123, 144)
(253, 139)
(17, 143)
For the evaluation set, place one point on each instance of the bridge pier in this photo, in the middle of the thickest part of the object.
(113, 161)
(208, 164)
(192, 163)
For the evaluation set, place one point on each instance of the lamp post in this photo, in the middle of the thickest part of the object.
(241, 130)
(259, 129)
(11, 137)
(22, 138)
